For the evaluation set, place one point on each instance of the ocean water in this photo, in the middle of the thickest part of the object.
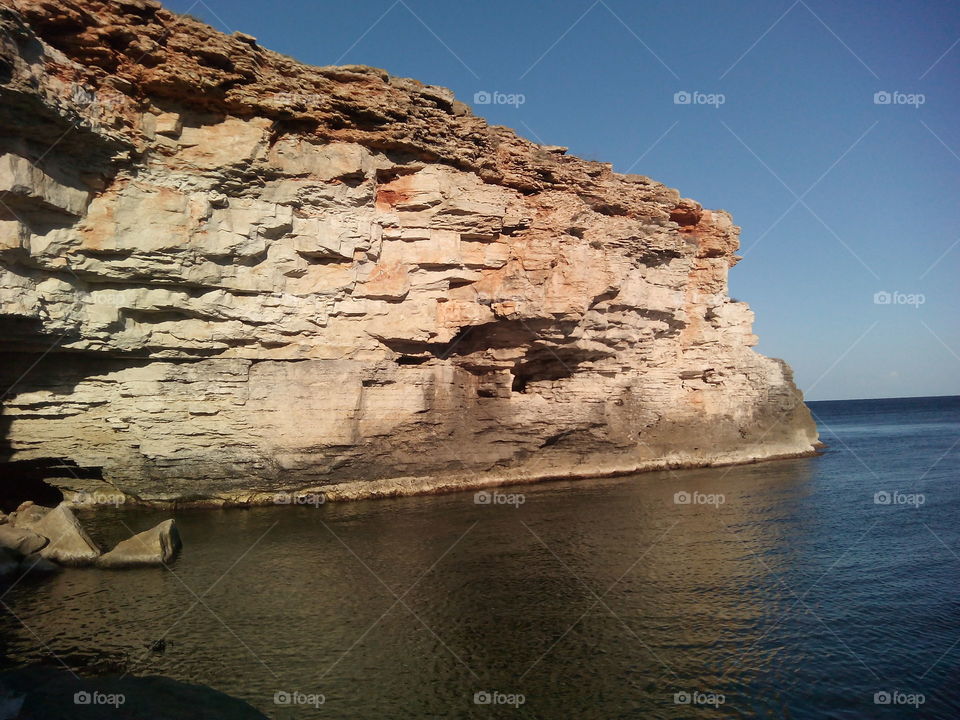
(822, 587)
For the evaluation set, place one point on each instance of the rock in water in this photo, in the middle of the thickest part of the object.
(155, 546)
(20, 540)
(272, 276)
(28, 515)
(69, 543)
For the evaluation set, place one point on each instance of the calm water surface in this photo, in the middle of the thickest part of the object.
(798, 596)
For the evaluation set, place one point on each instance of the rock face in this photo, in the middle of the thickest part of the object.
(257, 275)
(155, 546)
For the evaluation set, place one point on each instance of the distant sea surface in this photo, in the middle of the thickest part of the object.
(824, 587)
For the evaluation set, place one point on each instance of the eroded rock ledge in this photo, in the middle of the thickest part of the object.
(258, 275)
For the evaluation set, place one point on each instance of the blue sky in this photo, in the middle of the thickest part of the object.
(877, 184)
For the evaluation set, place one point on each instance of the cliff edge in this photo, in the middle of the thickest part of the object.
(225, 274)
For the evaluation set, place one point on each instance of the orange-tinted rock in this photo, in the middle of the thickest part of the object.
(270, 276)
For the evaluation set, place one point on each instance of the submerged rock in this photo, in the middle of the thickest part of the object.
(364, 287)
(69, 543)
(9, 562)
(156, 546)
(36, 563)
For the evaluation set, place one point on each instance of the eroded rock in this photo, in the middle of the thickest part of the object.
(68, 543)
(20, 540)
(262, 275)
(156, 546)
(28, 515)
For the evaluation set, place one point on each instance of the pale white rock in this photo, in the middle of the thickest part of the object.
(22, 181)
(156, 546)
(20, 540)
(168, 124)
(68, 543)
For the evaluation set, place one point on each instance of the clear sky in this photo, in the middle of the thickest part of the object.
(839, 196)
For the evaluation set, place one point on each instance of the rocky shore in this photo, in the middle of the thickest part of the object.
(37, 539)
(226, 275)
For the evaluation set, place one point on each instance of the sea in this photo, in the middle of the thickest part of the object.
(821, 587)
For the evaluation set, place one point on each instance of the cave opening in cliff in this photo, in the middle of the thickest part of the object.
(22, 480)
(412, 359)
(546, 365)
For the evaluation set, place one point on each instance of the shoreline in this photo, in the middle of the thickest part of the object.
(412, 486)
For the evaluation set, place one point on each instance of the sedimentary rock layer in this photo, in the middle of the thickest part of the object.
(224, 274)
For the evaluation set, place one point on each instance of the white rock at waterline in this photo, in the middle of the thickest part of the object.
(28, 515)
(20, 540)
(155, 546)
(69, 542)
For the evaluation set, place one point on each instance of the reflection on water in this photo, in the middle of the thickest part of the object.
(795, 596)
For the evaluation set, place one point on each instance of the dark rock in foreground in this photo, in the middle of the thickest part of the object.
(44, 693)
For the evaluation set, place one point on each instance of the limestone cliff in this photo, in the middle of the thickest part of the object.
(256, 275)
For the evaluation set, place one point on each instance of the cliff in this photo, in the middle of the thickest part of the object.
(224, 274)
